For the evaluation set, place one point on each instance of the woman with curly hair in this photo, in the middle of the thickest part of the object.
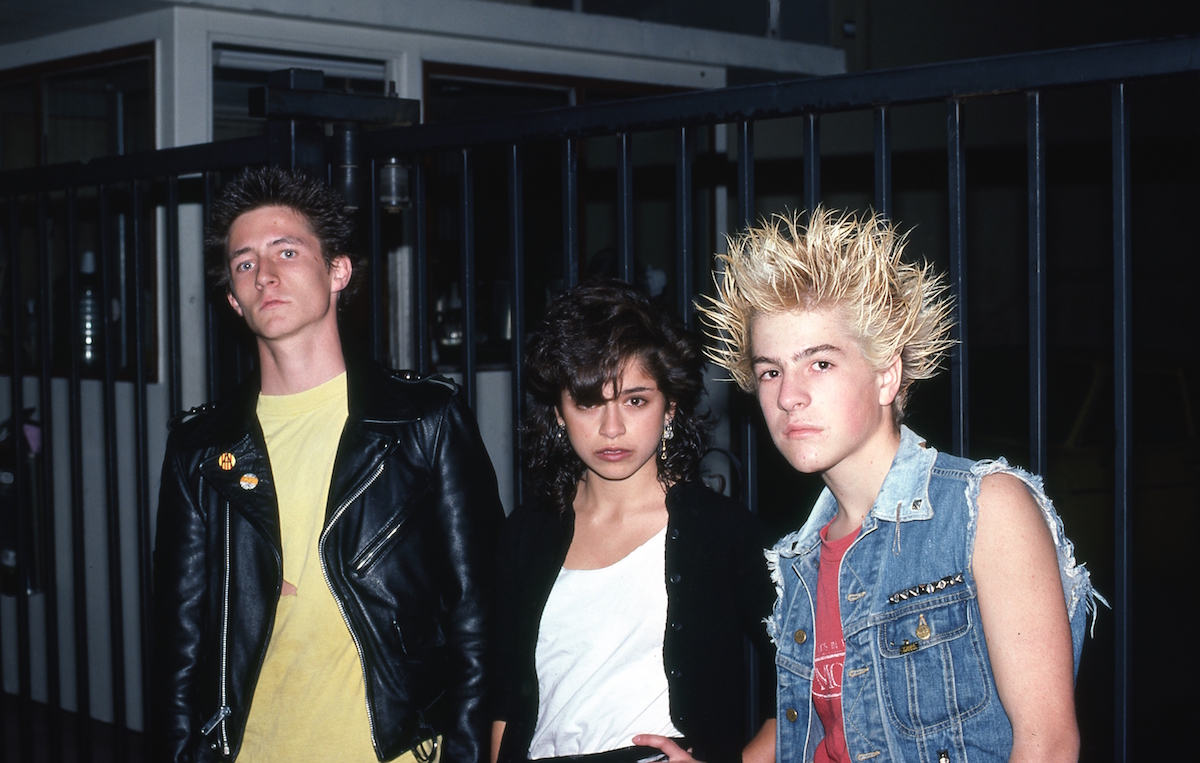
(625, 591)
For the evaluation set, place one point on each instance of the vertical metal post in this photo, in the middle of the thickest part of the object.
(210, 311)
(116, 598)
(625, 265)
(1037, 283)
(145, 548)
(743, 407)
(296, 144)
(420, 327)
(46, 483)
(516, 227)
(957, 193)
(376, 278)
(570, 194)
(883, 161)
(812, 160)
(685, 151)
(468, 276)
(79, 568)
(1122, 417)
(20, 455)
(173, 338)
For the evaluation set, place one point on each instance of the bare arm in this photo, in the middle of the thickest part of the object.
(1025, 621)
(760, 750)
(497, 735)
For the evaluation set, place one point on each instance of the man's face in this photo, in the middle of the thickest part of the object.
(823, 404)
(278, 279)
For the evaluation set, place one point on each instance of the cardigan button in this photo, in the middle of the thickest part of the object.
(675, 578)
(676, 626)
(674, 534)
(791, 714)
(800, 636)
(676, 672)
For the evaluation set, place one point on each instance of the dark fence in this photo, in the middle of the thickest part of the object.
(1065, 148)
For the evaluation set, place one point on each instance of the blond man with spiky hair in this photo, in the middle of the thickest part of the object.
(930, 609)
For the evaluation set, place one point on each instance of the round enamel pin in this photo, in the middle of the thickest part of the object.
(248, 481)
(226, 461)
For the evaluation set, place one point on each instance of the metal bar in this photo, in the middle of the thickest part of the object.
(883, 161)
(570, 192)
(116, 597)
(912, 85)
(1038, 351)
(812, 160)
(204, 157)
(174, 338)
(420, 327)
(745, 173)
(468, 277)
(210, 310)
(1122, 418)
(516, 246)
(145, 549)
(625, 265)
(685, 180)
(12, 260)
(79, 569)
(376, 278)
(743, 408)
(49, 535)
(20, 454)
(957, 193)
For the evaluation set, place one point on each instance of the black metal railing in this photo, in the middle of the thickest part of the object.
(540, 181)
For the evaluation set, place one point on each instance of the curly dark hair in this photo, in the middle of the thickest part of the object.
(316, 202)
(587, 336)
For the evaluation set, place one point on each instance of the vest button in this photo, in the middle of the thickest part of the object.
(675, 578)
(800, 636)
(791, 714)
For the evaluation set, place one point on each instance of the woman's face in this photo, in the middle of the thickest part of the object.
(620, 436)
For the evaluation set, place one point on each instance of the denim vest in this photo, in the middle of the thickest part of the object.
(917, 683)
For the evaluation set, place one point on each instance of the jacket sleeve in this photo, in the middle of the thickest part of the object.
(179, 624)
(470, 513)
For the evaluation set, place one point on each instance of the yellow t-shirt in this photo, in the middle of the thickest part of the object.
(309, 703)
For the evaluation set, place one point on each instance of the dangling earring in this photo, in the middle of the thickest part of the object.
(667, 434)
(562, 428)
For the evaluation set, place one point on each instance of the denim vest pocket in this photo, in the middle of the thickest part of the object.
(934, 664)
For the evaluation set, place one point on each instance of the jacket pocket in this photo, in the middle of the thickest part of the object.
(419, 635)
(935, 665)
(383, 542)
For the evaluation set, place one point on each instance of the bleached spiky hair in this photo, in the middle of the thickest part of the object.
(843, 261)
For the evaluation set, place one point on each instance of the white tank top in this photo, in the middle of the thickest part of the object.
(600, 657)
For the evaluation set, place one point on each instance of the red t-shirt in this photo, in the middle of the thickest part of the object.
(830, 650)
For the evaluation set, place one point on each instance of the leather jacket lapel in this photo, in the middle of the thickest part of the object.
(246, 483)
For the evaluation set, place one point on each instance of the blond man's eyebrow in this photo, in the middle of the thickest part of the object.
(807, 352)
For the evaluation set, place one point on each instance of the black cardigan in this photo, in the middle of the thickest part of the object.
(718, 588)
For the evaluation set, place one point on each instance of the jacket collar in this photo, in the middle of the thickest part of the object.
(367, 400)
(903, 497)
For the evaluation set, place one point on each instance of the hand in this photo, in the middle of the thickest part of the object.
(671, 751)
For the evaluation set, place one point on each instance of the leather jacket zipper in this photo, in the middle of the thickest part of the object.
(224, 711)
(342, 607)
(365, 560)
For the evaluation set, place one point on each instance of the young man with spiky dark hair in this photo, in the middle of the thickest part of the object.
(930, 609)
(325, 536)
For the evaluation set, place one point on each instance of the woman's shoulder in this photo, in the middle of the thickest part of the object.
(695, 502)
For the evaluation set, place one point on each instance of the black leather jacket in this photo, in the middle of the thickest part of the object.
(406, 548)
